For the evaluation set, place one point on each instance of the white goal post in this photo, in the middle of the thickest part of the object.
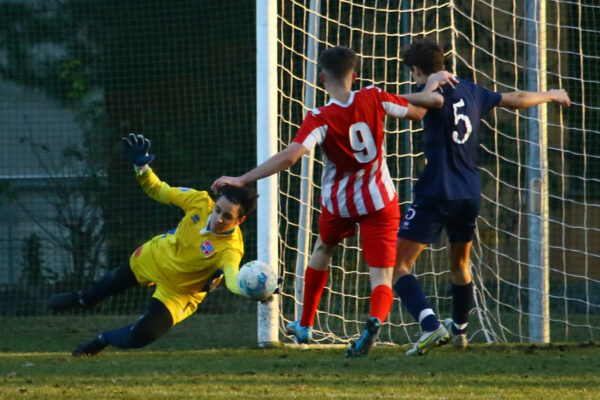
(266, 146)
(536, 256)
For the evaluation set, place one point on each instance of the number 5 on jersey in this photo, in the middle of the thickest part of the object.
(461, 117)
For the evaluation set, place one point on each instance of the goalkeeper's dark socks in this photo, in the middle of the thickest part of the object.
(412, 296)
(314, 282)
(64, 301)
(119, 338)
(462, 302)
(113, 282)
(382, 299)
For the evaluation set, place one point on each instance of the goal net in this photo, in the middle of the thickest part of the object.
(536, 256)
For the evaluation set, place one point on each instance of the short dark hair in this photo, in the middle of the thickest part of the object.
(244, 196)
(424, 54)
(338, 61)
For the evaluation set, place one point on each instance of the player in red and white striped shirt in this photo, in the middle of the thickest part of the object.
(356, 185)
(356, 180)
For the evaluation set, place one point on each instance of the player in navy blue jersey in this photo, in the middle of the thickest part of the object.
(447, 194)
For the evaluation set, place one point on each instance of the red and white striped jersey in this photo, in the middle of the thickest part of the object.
(356, 180)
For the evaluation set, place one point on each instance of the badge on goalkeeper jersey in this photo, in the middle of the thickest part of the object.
(207, 248)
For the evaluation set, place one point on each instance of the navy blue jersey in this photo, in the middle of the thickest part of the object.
(452, 142)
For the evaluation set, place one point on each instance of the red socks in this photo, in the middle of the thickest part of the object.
(314, 282)
(382, 299)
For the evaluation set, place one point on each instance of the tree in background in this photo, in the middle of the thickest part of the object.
(183, 74)
(32, 263)
(77, 222)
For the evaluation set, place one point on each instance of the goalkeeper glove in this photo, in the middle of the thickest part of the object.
(213, 281)
(276, 291)
(136, 149)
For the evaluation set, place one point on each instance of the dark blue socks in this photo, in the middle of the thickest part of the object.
(152, 325)
(412, 296)
(462, 302)
(119, 338)
(113, 282)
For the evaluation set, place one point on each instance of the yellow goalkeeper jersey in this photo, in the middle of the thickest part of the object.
(185, 257)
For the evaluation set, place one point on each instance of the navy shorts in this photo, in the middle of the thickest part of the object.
(426, 217)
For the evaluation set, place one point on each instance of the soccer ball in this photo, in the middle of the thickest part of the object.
(257, 280)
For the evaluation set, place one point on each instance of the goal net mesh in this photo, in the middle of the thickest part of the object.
(486, 42)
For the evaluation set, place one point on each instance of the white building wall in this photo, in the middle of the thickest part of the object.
(29, 115)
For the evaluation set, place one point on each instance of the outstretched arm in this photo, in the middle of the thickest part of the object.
(137, 150)
(425, 99)
(280, 161)
(530, 99)
(153, 186)
(428, 97)
(414, 112)
(230, 271)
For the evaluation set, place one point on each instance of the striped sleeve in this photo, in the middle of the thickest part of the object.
(311, 132)
(393, 105)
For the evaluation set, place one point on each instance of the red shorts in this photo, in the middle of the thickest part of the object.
(378, 231)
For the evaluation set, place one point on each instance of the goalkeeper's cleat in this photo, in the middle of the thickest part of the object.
(457, 338)
(91, 348)
(429, 340)
(66, 301)
(301, 334)
(365, 343)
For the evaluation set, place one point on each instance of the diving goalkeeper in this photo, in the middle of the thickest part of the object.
(184, 264)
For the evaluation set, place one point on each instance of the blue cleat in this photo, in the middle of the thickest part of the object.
(363, 345)
(301, 334)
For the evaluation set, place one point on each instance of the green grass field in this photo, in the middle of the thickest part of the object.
(192, 362)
